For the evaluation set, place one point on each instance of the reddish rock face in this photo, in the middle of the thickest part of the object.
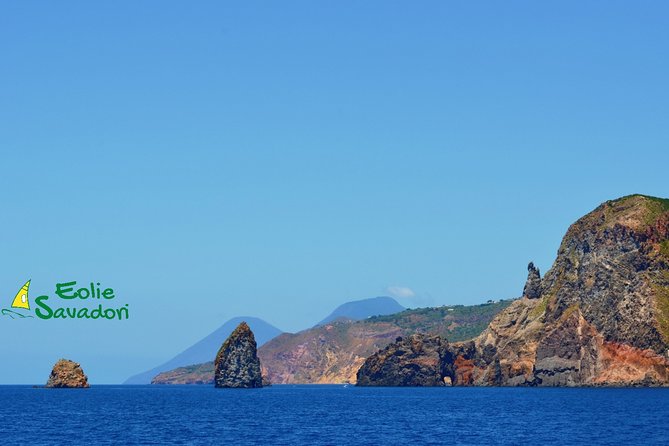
(67, 374)
(464, 371)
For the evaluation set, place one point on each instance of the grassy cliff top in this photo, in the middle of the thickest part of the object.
(456, 322)
(637, 212)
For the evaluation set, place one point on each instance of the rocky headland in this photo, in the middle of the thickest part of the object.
(237, 364)
(67, 374)
(599, 317)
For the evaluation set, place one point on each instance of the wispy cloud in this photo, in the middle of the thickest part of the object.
(401, 292)
(410, 297)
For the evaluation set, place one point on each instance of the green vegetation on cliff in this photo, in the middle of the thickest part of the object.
(648, 208)
(455, 323)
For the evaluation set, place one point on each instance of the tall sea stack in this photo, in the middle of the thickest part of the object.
(237, 364)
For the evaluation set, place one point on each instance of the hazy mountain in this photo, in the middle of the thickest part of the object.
(362, 309)
(205, 349)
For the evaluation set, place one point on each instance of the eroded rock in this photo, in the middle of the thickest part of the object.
(67, 374)
(532, 288)
(237, 364)
(418, 360)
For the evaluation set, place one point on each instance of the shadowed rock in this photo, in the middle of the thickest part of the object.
(419, 361)
(237, 364)
(532, 288)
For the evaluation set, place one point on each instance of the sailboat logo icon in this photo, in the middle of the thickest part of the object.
(20, 302)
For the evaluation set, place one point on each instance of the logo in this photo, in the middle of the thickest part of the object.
(20, 302)
(70, 302)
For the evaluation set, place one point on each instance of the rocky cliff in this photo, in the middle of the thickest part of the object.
(418, 360)
(333, 353)
(67, 374)
(600, 316)
(237, 364)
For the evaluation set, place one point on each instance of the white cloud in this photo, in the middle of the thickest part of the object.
(401, 292)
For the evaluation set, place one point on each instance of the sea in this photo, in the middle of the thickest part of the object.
(333, 415)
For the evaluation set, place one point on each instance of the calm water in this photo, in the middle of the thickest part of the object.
(332, 415)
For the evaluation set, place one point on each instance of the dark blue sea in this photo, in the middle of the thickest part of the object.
(332, 415)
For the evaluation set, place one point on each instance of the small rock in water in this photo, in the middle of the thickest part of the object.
(67, 374)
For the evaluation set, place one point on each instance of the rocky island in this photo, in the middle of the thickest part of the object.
(237, 364)
(67, 374)
(599, 317)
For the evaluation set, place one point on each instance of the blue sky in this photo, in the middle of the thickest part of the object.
(277, 159)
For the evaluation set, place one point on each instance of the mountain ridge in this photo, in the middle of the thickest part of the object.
(364, 308)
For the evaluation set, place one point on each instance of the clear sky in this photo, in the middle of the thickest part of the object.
(216, 159)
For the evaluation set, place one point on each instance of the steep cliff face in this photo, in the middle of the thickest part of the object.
(600, 315)
(237, 364)
(613, 264)
(67, 374)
